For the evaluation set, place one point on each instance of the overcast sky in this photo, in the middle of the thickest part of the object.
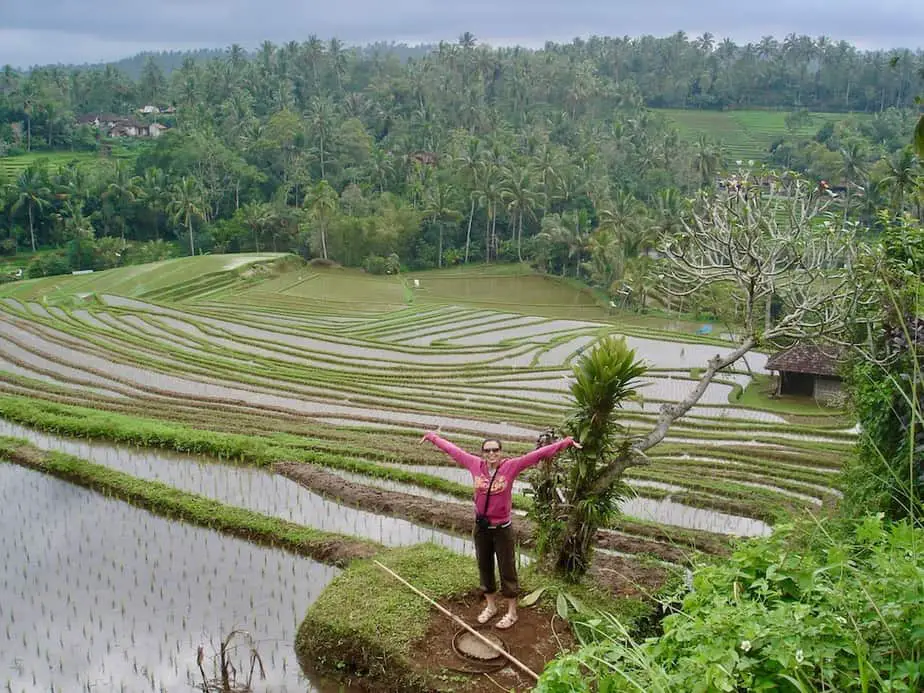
(77, 31)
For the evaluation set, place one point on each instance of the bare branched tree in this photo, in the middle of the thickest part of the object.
(767, 241)
(756, 242)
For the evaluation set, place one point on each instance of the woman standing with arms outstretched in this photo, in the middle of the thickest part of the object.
(493, 476)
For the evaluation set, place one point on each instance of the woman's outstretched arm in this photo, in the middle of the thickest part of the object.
(471, 462)
(530, 458)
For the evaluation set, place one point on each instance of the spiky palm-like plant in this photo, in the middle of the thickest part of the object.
(578, 494)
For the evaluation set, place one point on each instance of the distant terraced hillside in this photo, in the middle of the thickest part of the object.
(744, 134)
(12, 166)
(270, 345)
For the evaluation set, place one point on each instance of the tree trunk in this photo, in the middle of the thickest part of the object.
(31, 227)
(520, 238)
(192, 247)
(323, 242)
(575, 547)
(671, 412)
(439, 259)
(487, 236)
(494, 232)
(468, 235)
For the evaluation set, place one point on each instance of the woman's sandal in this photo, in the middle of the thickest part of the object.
(507, 621)
(486, 615)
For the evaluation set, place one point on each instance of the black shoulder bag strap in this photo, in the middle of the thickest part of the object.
(488, 496)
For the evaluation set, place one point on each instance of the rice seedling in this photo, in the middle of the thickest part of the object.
(76, 622)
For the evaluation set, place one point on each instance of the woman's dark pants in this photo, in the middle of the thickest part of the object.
(496, 542)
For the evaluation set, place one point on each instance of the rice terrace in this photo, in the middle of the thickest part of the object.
(275, 407)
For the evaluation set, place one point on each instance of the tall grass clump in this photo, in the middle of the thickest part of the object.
(886, 473)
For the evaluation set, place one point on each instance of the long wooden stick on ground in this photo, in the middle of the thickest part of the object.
(462, 623)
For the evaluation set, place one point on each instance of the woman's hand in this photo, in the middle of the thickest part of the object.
(437, 432)
(576, 444)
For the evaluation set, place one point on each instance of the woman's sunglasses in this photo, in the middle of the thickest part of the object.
(489, 450)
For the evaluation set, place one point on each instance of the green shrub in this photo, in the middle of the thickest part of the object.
(151, 251)
(47, 265)
(375, 264)
(786, 613)
(80, 253)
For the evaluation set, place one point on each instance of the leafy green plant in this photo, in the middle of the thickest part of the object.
(812, 608)
(574, 499)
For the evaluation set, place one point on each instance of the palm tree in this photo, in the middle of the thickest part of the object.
(321, 115)
(489, 194)
(120, 193)
(469, 162)
(853, 168)
(521, 200)
(900, 177)
(186, 206)
(153, 191)
(32, 191)
(257, 215)
(567, 233)
(338, 61)
(381, 166)
(669, 211)
(322, 205)
(626, 217)
(547, 167)
(28, 95)
(707, 159)
(606, 257)
(640, 278)
(76, 225)
(440, 207)
(314, 54)
(467, 40)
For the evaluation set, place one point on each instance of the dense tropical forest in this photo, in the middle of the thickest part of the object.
(461, 153)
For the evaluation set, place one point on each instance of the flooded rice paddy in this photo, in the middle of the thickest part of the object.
(469, 369)
(97, 595)
(254, 489)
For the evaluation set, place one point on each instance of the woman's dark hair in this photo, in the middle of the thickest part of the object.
(491, 440)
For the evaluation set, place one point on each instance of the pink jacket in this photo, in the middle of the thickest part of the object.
(501, 500)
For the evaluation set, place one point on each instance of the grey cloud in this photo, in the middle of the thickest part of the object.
(170, 23)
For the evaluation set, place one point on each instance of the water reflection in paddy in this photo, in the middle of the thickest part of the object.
(97, 595)
(245, 487)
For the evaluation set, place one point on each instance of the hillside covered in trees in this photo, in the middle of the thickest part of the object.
(464, 154)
